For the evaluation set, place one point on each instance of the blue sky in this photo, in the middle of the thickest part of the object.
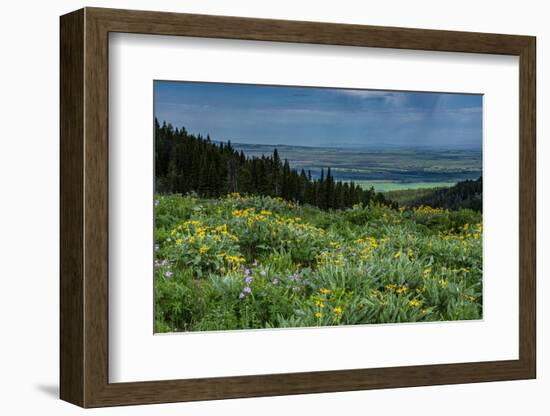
(321, 116)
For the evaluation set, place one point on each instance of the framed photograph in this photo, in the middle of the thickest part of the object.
(254, 207)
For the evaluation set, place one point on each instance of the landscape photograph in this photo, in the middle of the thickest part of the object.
(295, 207)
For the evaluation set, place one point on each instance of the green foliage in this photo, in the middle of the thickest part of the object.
(264, 262)
(466, 194)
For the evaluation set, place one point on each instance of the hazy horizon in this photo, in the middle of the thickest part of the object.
(347, 146)
(322, 117)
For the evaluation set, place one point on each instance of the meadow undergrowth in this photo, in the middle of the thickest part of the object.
(245, 262)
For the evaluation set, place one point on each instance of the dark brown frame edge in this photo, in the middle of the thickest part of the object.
(84, 207)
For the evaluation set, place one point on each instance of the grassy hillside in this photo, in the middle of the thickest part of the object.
(466, 194)
(260, 262)
(407, 197)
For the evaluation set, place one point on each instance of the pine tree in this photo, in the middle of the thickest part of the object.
(276, 175)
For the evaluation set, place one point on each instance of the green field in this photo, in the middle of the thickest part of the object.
(388, 186)
(241, 262)
(404, 197)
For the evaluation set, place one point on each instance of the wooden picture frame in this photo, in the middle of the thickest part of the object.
(84, 207)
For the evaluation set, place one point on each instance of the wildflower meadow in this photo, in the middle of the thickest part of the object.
(250, 262)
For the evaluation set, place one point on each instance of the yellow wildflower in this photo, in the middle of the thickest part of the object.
(415, 302)
(402, 290)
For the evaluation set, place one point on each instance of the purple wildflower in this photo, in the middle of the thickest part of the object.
(168, 273)
(246, 272)
(247, 289)
(295, 277)
(241, 295)
(255, 264)
(248, 280)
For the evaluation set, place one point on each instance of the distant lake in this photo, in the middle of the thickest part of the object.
(385, 170)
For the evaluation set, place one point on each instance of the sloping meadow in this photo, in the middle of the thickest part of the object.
(246, 262)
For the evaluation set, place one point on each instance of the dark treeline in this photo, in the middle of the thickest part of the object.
(466, 194)
(186, 163)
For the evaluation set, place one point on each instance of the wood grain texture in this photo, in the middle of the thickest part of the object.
(96, 208)
(71, 185)
(226, 27)
(527, 207)
(84, 207)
